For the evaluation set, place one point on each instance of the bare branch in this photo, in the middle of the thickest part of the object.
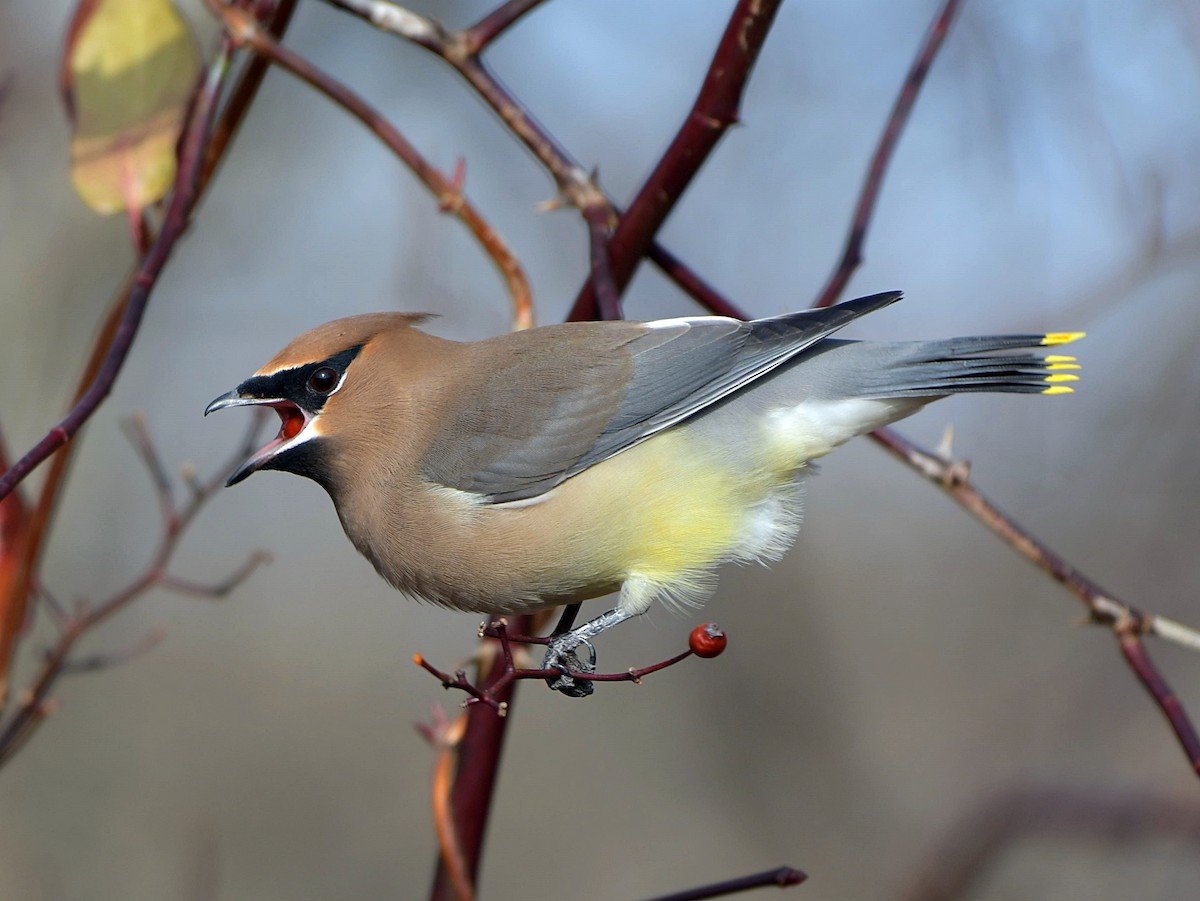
(602, 280)
(146, 643)
(489, 694)
(974, 844)
(446, 740)
(1127, 622)
(19, 725)
(781, 877)
(243, 28)
(573, 182)
(852, 254)
(496, 23)
(222, 133)
(223, 588)
(135, 429)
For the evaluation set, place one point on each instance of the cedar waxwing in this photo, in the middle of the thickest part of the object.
(567, 462)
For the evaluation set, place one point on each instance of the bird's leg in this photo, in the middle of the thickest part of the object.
(562, 655)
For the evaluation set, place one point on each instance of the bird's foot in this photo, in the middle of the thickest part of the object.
(563, 656)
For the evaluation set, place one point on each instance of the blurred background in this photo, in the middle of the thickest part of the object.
(897, 668)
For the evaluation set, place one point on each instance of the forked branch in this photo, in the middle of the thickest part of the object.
(246, 30)
(32, 708)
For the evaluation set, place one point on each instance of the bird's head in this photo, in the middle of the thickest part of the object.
(320, 384)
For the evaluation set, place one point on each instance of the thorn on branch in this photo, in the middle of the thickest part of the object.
(187, 474)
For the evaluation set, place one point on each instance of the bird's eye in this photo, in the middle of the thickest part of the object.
(323, 380)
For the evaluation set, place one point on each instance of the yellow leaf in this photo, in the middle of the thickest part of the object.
(129, 70)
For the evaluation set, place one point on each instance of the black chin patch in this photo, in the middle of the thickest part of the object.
(308, 459)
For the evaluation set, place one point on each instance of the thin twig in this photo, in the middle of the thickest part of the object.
(243, 28)
(781, 877)
(221, 589)
(21, 723)
(242, 95)
(94, 662)
(909, 91)
(1126, 621)
(509, 672)
(979, 839)
(135, 429)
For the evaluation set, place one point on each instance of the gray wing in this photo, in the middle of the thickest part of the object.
(545, 409)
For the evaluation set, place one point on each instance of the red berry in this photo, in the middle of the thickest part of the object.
(707, 640)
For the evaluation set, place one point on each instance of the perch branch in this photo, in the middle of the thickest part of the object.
(510, 672)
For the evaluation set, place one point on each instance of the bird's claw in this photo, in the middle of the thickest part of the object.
(562, 656)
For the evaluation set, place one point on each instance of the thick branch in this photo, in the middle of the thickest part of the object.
(478, 766)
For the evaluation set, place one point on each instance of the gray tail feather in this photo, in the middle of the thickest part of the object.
(959, 365)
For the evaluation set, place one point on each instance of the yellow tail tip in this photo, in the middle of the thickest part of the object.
(1058, 359)
(1062, 377)
(1058, 367)
(1058, 389)
(1061, 338)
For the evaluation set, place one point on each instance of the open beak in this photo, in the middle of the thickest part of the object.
(233, 399)
(292, 421)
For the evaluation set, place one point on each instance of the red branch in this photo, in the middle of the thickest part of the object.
(496, 23)
(478, 767)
